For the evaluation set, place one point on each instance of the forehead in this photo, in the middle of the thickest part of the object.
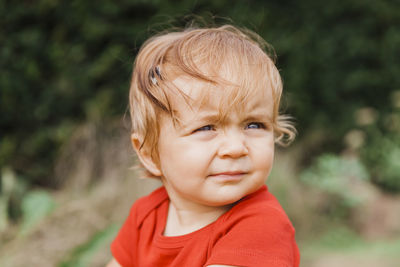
(194, 96)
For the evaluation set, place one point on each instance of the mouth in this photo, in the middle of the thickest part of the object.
(230, 176)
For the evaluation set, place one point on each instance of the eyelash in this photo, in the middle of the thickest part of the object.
(259, 125)
(205, 128)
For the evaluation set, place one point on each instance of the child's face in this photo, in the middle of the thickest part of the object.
(212, 162)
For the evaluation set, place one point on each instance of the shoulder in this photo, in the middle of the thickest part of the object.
(145, 205)
(255, 232)
(260, 209)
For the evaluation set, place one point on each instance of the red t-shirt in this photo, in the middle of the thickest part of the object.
(254, 232)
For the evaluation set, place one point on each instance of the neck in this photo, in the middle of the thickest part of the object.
(183, 220)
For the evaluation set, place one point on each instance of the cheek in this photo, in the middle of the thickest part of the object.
(184, 159)
(263, 154)
(264, 161)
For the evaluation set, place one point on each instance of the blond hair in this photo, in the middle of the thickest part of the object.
(203, 54)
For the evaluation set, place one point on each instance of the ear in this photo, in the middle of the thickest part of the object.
(145, 156)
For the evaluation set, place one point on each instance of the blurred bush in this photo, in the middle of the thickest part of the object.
(339, 179)
(383, 158)
(381, 151)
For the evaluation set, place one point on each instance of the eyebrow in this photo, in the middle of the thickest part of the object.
(214, 117)
(258, 116)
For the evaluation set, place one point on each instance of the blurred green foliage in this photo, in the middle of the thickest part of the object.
(383, 157)
(12, 191)
(333, 174)
(66, 62)
(36, 205)
(83, 254)
(17, 203)
(336, 176)
(344, 242)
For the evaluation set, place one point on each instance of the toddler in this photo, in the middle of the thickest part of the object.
(204, 106)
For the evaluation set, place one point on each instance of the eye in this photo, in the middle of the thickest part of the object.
(256, 125)
(204, 128)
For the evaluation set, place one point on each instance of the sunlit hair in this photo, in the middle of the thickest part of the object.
(227, 58)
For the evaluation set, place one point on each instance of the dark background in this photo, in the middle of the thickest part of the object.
(67, 62)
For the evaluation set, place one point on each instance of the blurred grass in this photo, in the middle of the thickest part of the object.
(341, 244)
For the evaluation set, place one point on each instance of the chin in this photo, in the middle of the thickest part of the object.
(228, 199)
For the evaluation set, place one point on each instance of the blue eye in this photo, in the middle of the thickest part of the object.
(255, 125)
(205, 128)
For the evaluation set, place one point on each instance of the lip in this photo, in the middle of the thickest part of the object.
(230, 176)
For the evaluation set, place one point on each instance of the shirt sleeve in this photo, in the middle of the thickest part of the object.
(123, 246)
(257, 239)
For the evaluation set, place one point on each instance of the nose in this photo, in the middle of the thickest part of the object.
(232, 145)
